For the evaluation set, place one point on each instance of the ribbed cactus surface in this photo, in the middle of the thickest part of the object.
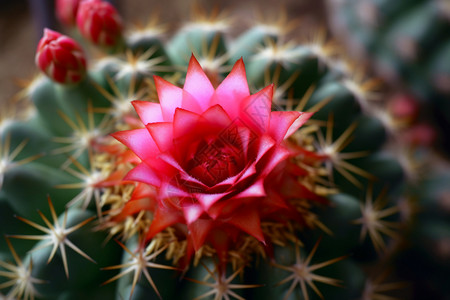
(195, 166)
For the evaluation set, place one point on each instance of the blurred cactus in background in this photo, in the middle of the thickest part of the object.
(407, 43)
(209, 164)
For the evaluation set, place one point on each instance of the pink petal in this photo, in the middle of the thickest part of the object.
(280, 122)
(265, 144)
(162, 134)
(217, 116)
(255, 110)
(143, 173)
(185, 178)
(192, 212)
(168, 190)
(279, 155)
(233, 89)
(255, 190)
(302, 119)
(198, 84)
(207, 200)
(184, 125)
(148, 112)
(139, 141)
(170, 97)
(189, 102)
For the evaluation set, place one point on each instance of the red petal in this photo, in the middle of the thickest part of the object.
(217, 116)
(207, 200)
(302, 119)
(279, 155)
(255, 190)
(198, 231)
(185, 125)
(163, 218)
(248, 220)
(280, 122)
(134, 207)
(255, 110)
(143, 173)
(265, 144)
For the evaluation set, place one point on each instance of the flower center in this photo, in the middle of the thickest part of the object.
(214, 160)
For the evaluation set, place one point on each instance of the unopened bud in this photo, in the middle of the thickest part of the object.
(60, 58)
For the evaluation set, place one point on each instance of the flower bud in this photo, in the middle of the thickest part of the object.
(66, 11)
(60, 58)
(99, 22)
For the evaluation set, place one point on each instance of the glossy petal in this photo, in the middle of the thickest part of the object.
(170, 97)
(162, 134)
(139, 141)
(232, 91)
(148, 112)
(255, 110)
(198, 84)
(143, 173)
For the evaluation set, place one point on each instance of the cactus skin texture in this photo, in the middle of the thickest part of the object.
(406, 42)
(341, 221)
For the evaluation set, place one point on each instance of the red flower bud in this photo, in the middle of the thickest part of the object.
(60, 57)
(99, 22)
(66, 11)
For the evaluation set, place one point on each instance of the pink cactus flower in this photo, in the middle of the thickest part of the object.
(211, 155)
(66, 11)
(99, 22)
(60, 58)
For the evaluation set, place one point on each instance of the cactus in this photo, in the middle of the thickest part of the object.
(407, 42)
(261, 173)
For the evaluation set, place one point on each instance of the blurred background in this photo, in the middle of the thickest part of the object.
(22, 21)
(404, 42)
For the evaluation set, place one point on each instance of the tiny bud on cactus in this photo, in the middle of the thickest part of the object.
(99, 22)
(404, 107)
(66, 11)
(60, 58)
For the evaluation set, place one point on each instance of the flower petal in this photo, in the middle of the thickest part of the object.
(139, 141)
(233, 89)
(198, 231)
(302, 119)
(162, 134)
(207, 200)
(255, 190)
(255, 110)
(280, 122)
(192, 212)
(198, 84)
(144, 173)
(278, 155)
(164, 217)
(149, 112)
(170, 97)
(248, 219)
